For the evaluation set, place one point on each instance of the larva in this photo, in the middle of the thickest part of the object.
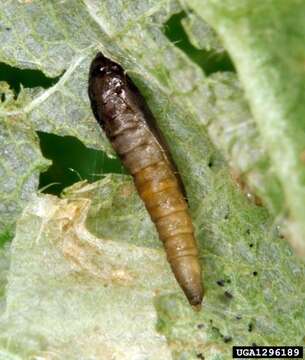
(129, 125)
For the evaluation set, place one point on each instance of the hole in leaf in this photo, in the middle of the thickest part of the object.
(250, 327)
(209, 61)
(254, 273)
(210, 163)
(28, 78)
(72, 162)
(216, 162)
(2, 97)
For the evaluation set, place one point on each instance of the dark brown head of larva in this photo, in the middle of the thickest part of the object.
(107, 88)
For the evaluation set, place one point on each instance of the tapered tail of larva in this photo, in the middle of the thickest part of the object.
(186, 267)
(168, 209)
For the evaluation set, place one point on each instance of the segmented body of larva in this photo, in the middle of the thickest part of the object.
(121, 111)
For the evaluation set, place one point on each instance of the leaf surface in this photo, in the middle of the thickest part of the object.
(266, 44)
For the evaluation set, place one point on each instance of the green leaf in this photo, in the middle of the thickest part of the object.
(4, 267)
(233, 131)
(201, 35)
(20, 164)
(115, 293)
(78, 296)
(66, 250)
(266, 42)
